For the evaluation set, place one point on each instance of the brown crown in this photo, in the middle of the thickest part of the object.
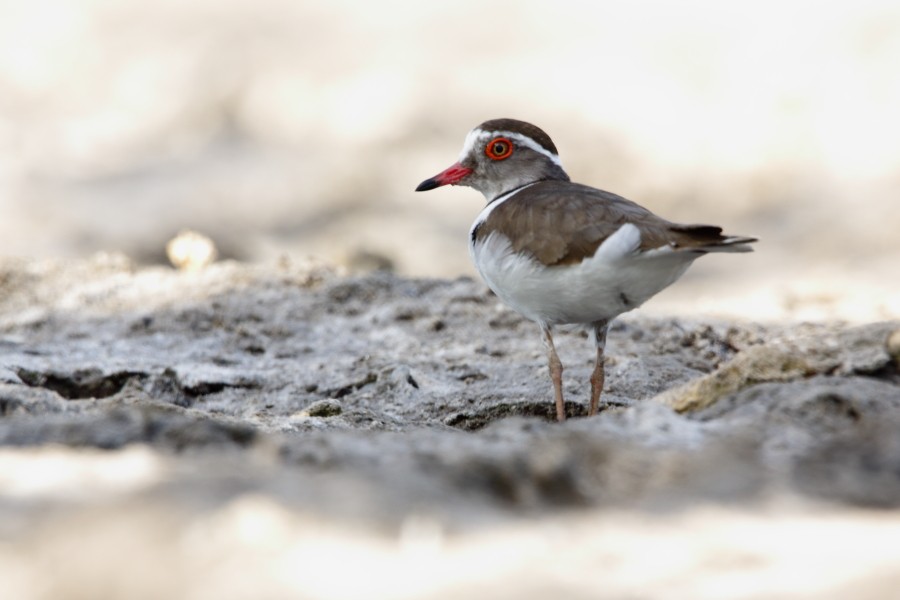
(527, 129)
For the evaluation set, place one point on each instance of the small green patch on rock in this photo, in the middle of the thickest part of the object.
(322, 408)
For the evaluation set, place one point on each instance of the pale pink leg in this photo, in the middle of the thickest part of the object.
(556, 370)
(598, 376)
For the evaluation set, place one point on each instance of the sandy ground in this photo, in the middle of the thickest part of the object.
(287, 431)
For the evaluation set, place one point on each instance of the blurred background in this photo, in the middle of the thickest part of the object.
(290, 128)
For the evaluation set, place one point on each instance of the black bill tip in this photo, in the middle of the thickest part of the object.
(428, 184)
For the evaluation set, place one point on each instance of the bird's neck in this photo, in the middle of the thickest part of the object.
(552, 173)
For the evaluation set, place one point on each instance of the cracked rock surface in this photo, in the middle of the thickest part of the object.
(250, 411)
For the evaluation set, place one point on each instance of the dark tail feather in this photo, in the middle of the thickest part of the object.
(709, 238)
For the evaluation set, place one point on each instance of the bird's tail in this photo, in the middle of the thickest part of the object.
(709, 238)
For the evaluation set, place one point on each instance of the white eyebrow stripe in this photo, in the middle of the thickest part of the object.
(477, 134)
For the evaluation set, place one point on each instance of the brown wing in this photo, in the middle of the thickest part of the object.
(563, 223)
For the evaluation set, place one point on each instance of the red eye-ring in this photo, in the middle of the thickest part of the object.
(498, 148)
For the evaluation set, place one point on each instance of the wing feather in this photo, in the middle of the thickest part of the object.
(562, 223)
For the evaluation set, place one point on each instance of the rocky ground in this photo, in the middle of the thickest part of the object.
(285, 431)
(273, 428)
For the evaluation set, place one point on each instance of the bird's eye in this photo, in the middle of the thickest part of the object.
(498, 148)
